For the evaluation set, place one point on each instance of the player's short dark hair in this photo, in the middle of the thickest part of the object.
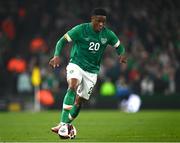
(99, 11)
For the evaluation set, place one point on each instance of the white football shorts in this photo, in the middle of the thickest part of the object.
(86, 80)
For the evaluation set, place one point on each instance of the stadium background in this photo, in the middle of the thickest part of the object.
(149, 30)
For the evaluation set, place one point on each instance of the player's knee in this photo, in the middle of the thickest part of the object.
(73, 84)
(72, 87)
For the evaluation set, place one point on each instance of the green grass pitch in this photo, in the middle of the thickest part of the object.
(93, 126)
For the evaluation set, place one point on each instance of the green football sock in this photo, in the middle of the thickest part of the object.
(67, 105)
(74, 112)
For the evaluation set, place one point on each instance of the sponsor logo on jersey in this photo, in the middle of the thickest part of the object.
(103, 40)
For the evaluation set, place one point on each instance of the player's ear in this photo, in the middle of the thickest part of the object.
(92, 18)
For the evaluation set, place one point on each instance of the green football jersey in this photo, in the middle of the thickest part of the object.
(88, 46)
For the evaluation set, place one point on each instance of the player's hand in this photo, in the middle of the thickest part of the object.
(122, 59)
(55, 62)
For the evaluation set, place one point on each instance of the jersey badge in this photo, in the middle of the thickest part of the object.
(103, 40)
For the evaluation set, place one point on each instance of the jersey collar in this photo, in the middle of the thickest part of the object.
(91, 29)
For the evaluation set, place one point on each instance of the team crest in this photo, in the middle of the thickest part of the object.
(103, 40)
(71, 71)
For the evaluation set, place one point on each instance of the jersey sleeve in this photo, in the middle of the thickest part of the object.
(73, 34)
(113, 39)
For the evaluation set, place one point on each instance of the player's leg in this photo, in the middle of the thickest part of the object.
(68, 102)
(83, 93)
(74, 78)
(74, 112)
(69, 99)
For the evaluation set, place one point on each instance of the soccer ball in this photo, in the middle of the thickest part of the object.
(132, 105)
(67, 131)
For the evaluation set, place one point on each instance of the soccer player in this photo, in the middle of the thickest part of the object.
(89, 43)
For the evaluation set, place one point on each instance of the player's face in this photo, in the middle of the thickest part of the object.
(98, 22)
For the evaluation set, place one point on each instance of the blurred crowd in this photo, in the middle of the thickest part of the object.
(150, 31)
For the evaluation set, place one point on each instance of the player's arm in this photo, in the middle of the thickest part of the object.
(55, 61)
(115, 42)
(68, 37)
(60, 45)
(121, 52)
